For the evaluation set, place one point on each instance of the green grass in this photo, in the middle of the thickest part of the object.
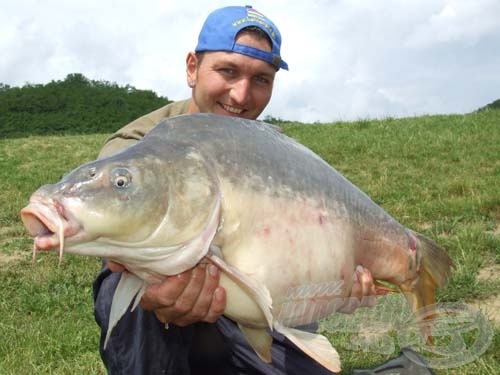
(439, 175)
(47, 324)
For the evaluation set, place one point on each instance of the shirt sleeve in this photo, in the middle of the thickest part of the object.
(137, 129)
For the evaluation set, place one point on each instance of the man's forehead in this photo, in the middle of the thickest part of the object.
(238, 60)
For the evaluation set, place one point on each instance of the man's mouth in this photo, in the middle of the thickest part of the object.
(231, 109)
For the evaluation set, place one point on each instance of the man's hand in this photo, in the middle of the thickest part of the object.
(363, 292)
(190, 297)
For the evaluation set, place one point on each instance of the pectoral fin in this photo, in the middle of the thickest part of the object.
(314, 345)
(260, 340)
(254, 289)
(129, 286)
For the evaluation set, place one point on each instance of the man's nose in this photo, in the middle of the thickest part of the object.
(241, 90)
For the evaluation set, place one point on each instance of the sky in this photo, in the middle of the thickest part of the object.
(348, 59)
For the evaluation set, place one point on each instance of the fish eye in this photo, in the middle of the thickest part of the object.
(121, 178)
(92, 172)
(121, 181)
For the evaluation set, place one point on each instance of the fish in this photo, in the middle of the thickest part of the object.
(266, 210)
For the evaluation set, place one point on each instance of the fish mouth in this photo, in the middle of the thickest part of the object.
(49, 225)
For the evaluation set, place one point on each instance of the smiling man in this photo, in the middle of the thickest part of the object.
(231, 72)
(227, 81)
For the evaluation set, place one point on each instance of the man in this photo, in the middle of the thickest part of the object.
(230, 73)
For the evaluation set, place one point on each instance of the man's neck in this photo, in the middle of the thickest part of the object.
(193, 108)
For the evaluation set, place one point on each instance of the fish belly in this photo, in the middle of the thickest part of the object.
(293, 248)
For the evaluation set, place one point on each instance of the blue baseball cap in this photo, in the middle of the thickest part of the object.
(222, 25)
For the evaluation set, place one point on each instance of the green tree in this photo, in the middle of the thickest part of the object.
(75, 105)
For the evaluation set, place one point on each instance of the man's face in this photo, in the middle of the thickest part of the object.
(232, 84)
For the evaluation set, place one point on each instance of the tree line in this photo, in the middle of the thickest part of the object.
(75, 105)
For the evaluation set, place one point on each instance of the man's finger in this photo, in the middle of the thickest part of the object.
(203, 306)
(217, 306)
(115, 267)
(166, 293)
(189, 296)
(369, 292)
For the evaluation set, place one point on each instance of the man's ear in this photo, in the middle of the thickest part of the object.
(191, 68)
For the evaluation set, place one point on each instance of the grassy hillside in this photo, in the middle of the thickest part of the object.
(436, 174)
(494, 105)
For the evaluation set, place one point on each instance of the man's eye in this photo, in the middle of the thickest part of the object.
(261, 80)
(228, 71)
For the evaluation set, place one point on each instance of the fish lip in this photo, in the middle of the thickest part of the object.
(43, 220)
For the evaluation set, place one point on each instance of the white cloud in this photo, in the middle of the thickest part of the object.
(348, 59)
(460, 21)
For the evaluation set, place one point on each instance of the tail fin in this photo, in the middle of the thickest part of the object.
(435, 270)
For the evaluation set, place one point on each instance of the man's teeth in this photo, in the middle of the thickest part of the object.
(228, 108)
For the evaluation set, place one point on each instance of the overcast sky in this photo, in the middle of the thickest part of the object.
(349, 59)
